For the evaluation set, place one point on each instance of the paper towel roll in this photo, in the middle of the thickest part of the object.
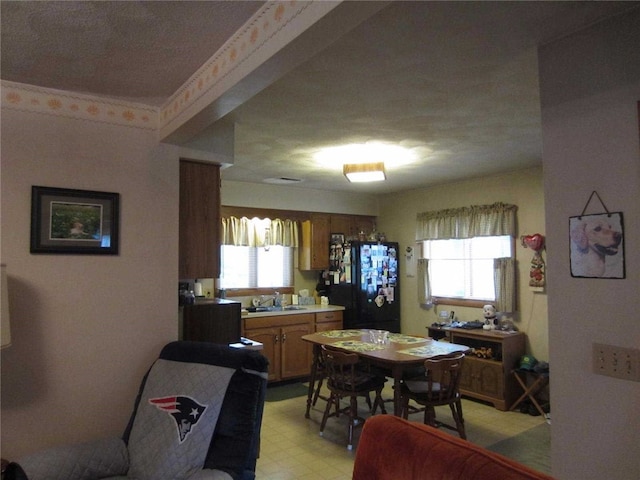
(197, 289)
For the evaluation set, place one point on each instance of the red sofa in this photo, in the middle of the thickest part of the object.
(391, 448)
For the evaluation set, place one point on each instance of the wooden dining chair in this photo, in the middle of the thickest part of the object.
(440, 385)
(347, 377)
(321, 374)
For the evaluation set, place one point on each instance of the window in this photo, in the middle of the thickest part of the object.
(257, 253)
(256, 267)
(464, 268)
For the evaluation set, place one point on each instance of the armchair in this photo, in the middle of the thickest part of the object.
(197, 416)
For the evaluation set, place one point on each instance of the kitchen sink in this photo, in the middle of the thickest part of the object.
(275, 309)
(262, 309)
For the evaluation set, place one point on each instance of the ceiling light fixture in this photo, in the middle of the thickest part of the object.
(364, 172)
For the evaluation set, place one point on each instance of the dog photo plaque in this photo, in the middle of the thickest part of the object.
(597, 245)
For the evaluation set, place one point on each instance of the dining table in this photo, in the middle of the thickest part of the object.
(395, 355)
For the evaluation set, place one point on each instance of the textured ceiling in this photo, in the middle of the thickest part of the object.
(454, 82)
(138, 51)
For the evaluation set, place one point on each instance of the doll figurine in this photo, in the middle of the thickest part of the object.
(490, 317)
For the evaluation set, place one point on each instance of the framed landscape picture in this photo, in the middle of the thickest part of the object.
(74, 221)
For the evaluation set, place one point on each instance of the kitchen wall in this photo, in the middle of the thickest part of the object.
(84, 328)
(590, 88)
(241, 194)
(522, 188)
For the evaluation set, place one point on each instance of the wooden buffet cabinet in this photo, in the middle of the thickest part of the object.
(488, 379)
(281, 336)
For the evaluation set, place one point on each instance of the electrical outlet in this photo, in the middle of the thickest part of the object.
(617, 362)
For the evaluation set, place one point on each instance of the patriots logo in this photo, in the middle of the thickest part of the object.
(184, 410)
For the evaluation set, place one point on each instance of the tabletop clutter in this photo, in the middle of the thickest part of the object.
(380, 337)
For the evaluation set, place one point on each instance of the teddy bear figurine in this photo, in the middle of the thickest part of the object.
(490, 317)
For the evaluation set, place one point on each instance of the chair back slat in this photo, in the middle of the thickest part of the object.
(341, 369)
(443, 376)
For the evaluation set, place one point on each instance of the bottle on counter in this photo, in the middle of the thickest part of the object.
(190, 298)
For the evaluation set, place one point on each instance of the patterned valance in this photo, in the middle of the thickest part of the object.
(259, 232)
(466, 222)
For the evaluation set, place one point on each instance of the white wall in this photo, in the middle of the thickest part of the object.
(522, 188)
(84, 328)
(590, 87)
(241, 194)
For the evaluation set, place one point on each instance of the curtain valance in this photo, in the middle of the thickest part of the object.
(466, 222)
(259, 232)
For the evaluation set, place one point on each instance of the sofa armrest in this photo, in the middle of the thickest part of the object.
(97, 459)
(390, 448)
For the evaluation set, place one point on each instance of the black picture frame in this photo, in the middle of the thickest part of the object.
(69, 221)
(337, 238)
(597, 246)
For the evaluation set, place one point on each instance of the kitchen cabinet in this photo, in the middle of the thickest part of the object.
(281, 335)
(199, 217)
(344, 224)
(489, 379)
(314, 250)
(328, 321)
(316, 235)
(351, 225)
(216, 320)
(270, 339)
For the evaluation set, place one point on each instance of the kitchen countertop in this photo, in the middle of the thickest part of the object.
(303, 309)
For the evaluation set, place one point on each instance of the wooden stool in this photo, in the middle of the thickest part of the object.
(541, 380)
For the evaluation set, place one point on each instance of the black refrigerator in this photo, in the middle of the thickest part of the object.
(364, 278)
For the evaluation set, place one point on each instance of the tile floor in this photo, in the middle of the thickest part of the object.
(291, 447)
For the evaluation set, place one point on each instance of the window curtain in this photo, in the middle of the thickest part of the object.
(259, 232)
(424, 289)
(467, 222)
(504, 276)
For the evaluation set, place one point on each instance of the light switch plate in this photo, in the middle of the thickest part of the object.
(617, 362)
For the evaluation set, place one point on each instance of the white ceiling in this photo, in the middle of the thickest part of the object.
(454, 82)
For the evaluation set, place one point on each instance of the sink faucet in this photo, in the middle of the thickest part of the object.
(276, 299)
(265, 299)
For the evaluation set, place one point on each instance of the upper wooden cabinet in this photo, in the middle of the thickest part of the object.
(199, 220)
(314, 249)
(351, 225)
(316, 235)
